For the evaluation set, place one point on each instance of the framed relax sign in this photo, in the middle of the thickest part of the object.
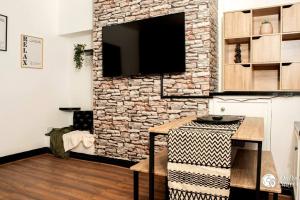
(3, 33)
(31, 52)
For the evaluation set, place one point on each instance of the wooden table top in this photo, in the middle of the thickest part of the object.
(252, 128)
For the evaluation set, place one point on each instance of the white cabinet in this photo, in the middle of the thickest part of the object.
(291, 18)
(234, 105)
(237, 24)
(296, 161)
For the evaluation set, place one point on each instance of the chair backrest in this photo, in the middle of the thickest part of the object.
(83, 120)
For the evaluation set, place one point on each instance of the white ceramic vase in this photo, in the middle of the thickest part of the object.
(266, 28)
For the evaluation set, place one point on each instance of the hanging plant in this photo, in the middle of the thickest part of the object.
(78, 55)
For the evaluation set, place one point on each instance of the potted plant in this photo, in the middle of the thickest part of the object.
(266, 27)
(78, 55)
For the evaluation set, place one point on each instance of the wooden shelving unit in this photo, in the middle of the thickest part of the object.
(270, 62)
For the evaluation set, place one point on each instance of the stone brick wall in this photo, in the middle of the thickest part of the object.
(124, 108)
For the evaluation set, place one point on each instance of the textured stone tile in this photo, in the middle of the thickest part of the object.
(125, 108)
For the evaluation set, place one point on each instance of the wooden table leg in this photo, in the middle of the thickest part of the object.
(136, 185)
(258, 170)
(151, 166)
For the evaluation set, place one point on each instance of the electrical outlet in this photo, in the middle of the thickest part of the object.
(222, 109)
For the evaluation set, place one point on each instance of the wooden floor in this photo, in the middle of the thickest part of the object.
(46, 177)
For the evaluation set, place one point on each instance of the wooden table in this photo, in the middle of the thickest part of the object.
(243, 171)
(251, 130)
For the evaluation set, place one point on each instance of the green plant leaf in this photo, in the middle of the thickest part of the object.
(78, 55)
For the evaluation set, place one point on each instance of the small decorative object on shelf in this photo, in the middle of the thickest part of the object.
(78, 55)
(266, 27)
(238, 57)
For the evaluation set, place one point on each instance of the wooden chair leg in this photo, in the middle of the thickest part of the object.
(136, 185)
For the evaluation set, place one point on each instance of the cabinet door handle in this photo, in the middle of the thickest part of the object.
(286, 64)
(256, 38)
(246, 11)
(246, 65)
(296, 148)
(287, 6)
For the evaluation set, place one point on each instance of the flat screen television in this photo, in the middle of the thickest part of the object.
(151, 46)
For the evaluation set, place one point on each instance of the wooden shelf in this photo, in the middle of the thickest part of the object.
(261, 35)
(266, 77)
(243, 172)
(237, 24)
(291, 36)
(69, 109)
(265, 63)
(88, 52)
(266, 49)
(267, 54)
(230, 46)
(290, 18)
(290, 48)
(237, 77)
(290, 76)
(237, 40)
(271, 14)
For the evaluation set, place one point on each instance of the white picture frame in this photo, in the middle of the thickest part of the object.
(3, 32)
(32, 52)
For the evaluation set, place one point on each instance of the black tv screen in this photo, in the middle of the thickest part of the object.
(150, 46)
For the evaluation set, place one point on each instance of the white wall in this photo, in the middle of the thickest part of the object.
(75, 16)
(30, 97)
(279, 113)
(75, 26)
(80, 81)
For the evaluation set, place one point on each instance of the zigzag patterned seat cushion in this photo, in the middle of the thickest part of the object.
(199, 161)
